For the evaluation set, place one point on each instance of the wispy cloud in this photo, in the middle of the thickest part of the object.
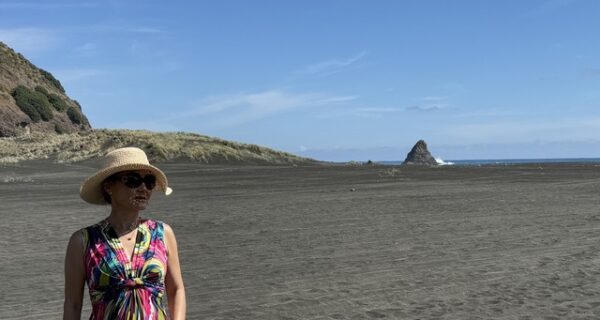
(72, 75)
(118, 28)
(46, 5)
(488, 113)
(337, 99)
(552, 5)
(270, 101)
(424, 105)
(581, 129)
(332, 66)
(369, 112)
(226, 111)
(427, 108)
(88, 49)
(432, 99)
(29, 40)
(549, 6)
(592, 72)
(33, 40)
(231, 110)
(429, 103)
(380, 112)
(144, 30)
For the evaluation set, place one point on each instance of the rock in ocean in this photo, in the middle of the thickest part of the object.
(420, 155)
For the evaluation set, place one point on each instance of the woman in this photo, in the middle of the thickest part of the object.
(128, 262)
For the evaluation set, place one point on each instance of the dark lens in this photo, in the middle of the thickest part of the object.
(132, 180)
(150, 181)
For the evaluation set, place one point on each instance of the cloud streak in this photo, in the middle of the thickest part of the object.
(592, 72)
(432, 107)
(112, 28)
(379, 112)
(46, 5)
(232, 110)
(332, 66)
(523, 131)
(29, 40)
(72, 75)
(550, 6)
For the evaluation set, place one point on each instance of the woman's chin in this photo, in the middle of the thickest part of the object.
(139, 204)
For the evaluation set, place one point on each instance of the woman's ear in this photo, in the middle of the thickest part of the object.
(107, 191)
(107, 186)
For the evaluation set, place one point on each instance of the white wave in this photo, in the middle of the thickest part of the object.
(441, 162)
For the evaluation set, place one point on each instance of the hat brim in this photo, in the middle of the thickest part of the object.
(91, 188)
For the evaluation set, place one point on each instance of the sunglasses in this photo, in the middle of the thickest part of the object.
(134, 180)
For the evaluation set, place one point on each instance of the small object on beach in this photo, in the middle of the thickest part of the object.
(352, 189)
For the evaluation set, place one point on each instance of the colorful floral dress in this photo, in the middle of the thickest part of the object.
(120, 288)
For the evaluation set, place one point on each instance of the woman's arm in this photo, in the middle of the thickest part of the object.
(74, 278)
(173, 279)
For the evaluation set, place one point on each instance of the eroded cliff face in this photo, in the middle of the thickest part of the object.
(32, 100)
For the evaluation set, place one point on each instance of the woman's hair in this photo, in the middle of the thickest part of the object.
(105, 194)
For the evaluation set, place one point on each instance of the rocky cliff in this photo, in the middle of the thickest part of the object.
(32, 100)
(420, 155)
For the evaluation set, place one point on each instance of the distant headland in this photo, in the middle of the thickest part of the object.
(38, 120)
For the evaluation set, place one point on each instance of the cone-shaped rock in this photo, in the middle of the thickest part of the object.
(420, 155)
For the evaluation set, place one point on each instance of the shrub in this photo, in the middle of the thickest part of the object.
(41, 89)
(52, 80)
(254, 148)
(33, 103)
(58, 129)
(57, 102)
(20, 93)
(75, 116)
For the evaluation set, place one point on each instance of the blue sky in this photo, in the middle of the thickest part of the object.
(333, 80)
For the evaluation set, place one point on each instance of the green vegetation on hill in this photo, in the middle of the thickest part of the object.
(159, 147)
(33, 100)
(34, 103)
(75, 116)
(57, 102)
(38, 105)
(52, 80)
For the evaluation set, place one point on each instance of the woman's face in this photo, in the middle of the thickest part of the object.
(131, 190)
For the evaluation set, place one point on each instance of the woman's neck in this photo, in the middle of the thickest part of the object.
(123, 220)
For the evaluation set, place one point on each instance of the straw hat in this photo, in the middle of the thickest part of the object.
(123, 159)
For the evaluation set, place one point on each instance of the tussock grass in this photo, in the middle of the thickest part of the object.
(391, 172)
(16, 179)
(158, 146)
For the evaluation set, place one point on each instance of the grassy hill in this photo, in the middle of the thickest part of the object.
(39, 121)
(160, 147)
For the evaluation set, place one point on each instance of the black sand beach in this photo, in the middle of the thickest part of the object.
(334, 242)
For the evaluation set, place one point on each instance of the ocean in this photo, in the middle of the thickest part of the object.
(480, 162)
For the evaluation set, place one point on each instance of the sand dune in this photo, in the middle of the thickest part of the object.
(515, 242)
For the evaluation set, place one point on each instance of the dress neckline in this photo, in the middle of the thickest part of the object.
(128, 262)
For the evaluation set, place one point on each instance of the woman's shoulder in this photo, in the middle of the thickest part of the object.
(91, 231)
(100, 224)
(79, 239)
(83, 232)
(158, 224)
